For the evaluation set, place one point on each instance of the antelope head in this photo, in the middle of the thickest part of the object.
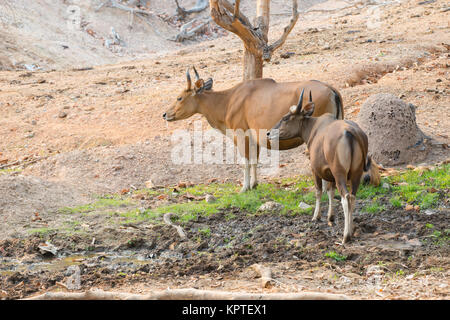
(290, 125)
(186, 104)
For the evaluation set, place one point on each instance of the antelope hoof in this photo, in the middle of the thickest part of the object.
(330, 220)
(315, 219)
(346, 239)
(254, 185)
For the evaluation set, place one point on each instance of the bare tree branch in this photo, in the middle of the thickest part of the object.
(179, 229)
(199, 7)
(274, 46)
(114, 4)
(186, 294)
(185, 34)
(236, 8)
(230, 18)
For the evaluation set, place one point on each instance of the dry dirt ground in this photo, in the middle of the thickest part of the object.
(79, 133)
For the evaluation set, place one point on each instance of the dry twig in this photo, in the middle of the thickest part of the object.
(180, 231)
(185, 34)
(265, 274)
(199, 7)
(186, 294)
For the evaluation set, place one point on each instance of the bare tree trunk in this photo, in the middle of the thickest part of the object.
(253, 63)
(253, 66)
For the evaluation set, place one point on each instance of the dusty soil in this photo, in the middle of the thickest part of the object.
(75, 134)
(49, 35)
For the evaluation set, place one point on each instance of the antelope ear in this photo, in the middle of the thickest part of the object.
(199, 84)
(208, 84)
(293, 109)
(308, 109)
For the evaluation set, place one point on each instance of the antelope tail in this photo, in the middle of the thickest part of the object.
(350, 134)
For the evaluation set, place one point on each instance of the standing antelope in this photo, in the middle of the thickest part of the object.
(255, 104)
(338, 154)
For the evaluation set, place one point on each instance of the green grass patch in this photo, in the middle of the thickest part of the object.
(370, 192)
(396, 202)
(374, 207)
(10, 170)
(438, 237)
(288, 192)
(335, 256)
(101, 204)
(41, 232)
(409, 187)
(205, 232)
(417, 189)
(420, 187)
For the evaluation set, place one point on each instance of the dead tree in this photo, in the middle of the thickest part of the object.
(187, 31)
(255, 37)
(199, 7)
(115, 4)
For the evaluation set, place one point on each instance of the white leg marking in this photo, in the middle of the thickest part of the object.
(317, 209)
(253, 176)
(246, 184)
(347, 226)
(352, 203)
(330, 214)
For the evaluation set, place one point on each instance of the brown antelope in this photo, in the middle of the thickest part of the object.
(337, 151)
(255, 104)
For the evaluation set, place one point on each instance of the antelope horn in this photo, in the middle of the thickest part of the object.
(196, 73)
(300, 101)
(310, 96)
(189, 82)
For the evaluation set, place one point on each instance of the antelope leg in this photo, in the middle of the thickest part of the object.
(246, 184)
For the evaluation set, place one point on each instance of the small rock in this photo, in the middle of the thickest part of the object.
(414, 242)
(29, 258)
(73, 282)
(429, 212)
(30, 135)
(210, 198)
(304, 206)
(149, 184)
(345, 280)
(386, 186)
(271, 206)
(48, 247)
(286, 55)
(62, 114)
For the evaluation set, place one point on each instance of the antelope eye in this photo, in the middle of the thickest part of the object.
(179, 98)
